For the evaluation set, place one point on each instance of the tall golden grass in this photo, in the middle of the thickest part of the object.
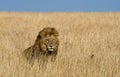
(89, 44)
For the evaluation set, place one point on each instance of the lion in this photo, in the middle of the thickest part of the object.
(45, 46)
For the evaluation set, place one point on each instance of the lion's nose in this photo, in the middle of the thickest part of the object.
(51, 46)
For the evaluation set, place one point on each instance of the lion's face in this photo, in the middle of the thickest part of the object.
(49, 44)
(48, 41)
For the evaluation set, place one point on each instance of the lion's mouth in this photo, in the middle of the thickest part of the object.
(50, 50)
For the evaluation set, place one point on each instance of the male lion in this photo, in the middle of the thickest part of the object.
(45, 46)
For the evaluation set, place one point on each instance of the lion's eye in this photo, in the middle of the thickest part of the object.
(53, 40)
(47, 40)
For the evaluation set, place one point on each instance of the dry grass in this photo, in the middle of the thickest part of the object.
(89, 44)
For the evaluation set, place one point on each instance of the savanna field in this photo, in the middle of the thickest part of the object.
(89, 44)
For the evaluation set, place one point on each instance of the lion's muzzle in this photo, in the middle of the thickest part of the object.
(50, 50)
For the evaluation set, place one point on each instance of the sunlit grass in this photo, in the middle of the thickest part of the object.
(89, 44)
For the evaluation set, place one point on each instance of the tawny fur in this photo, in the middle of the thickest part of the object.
(39, 50)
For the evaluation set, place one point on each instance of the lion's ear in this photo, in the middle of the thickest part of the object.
(55, 32)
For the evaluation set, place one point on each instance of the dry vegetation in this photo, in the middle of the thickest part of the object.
(89, 44)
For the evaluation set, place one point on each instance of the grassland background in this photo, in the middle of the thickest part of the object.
(89, 44)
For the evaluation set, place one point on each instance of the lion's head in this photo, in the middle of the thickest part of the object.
(48, 41)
